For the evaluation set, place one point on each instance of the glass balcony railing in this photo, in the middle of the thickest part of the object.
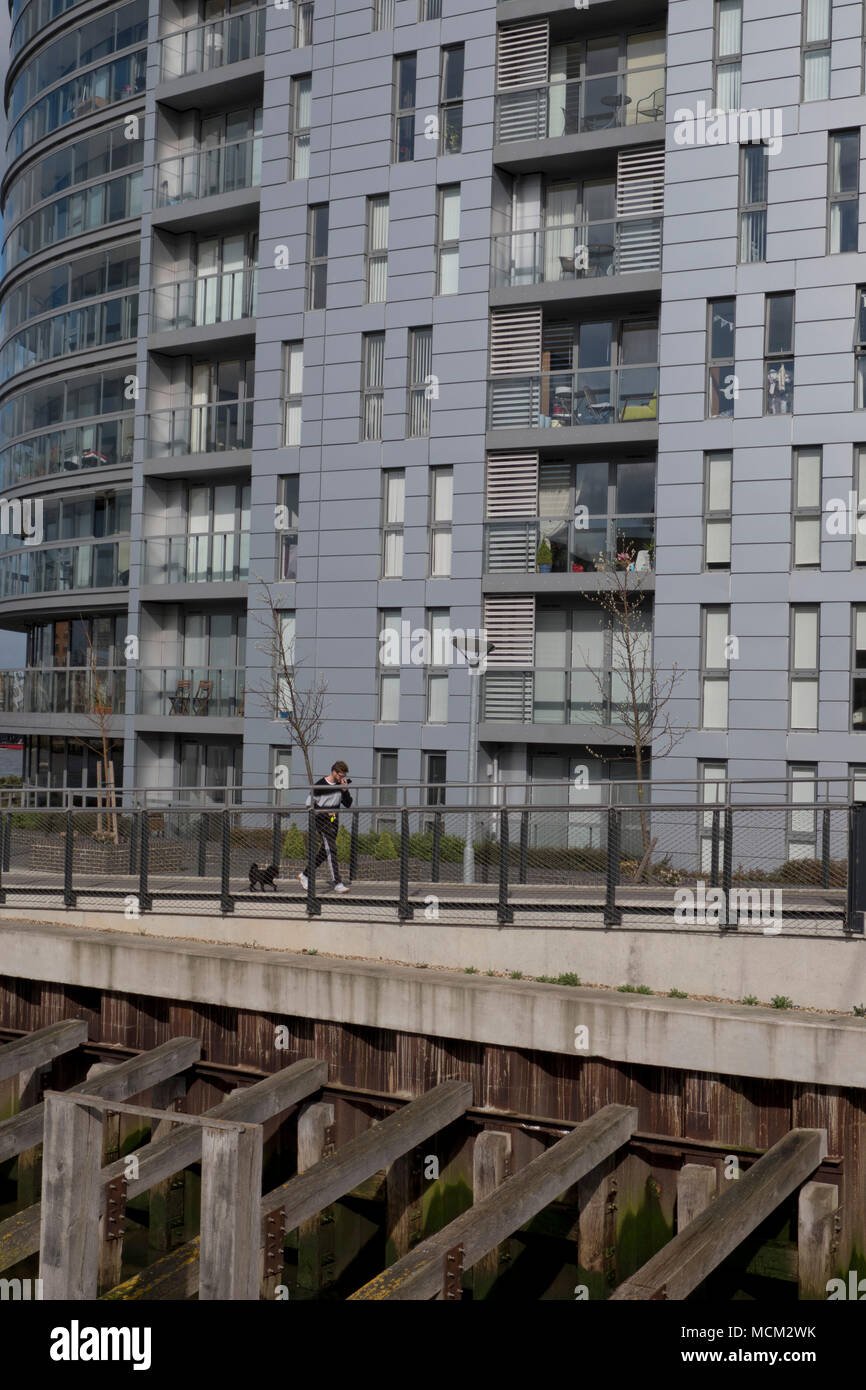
(581, 105)
(64, 690)
(209, 172)
(198, 691)
(207, 46)
(68, 451)
(556, 400)
(201, 429)
(561, 546)
(61, 568)
(554, 696)
(220, 298)
(583, 251)
(219, 557)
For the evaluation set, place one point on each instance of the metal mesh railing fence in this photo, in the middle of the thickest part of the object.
(685, 865)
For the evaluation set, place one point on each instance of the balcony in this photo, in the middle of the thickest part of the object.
(584, 251)
(208, 173)
(220, 557)
(68, 451)
(196, 692)
(581, 105)
(552, 696)
(518, 547)
(205, 300)
(562, 400)
(64, 690)
(232, 39)
(224, 426)
(65, 568)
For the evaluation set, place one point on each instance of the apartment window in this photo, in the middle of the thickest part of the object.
(754, 163)
(376, 272)
(857, 782)
(372, 384)
(404, 108)
(860, 349)
(317, 290)
(713, 790)
(287, 567)
(843, 208)
(303, 23)
(302, 105)
(816, 50)
(441, 515)
(429, 9)
(393, 508)
(386, 779)
(389, 665)
(420, 381)
(714, 668)
(807, 507)
(729, 40)
(779, 354)
(802, 838)
(284, 660)
(293, 375)
(858, 671)
(449, 239)
(439, 658)
(383, 14)
(451, 100)
(721, 333)
(860, 486)
(804, 644)
(281, 775)
(717, 511)
(435, 775)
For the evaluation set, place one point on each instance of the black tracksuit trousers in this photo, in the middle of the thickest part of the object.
(327, 852)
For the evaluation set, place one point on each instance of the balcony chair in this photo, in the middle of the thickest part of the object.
(652, 107)
(180, 698)
(568, 268)
(641, 408)
(202, 697)
(592, 411)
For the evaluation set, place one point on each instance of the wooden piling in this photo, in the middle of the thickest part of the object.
(316, 1234)
(696, 1188)
(491, 1165)
(71, 1196)
(818, 1204)
(231, 1191)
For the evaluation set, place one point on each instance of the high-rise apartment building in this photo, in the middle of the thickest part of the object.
(420, 314)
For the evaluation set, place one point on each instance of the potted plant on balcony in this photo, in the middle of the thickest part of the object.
(544, 557)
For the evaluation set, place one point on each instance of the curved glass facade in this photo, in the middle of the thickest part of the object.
(73, 215)
(109, 32)
(63, 426)
(94, 325)
(104, 152)
(86, 277)
(82, 96)
(58, 569)
(29, 16)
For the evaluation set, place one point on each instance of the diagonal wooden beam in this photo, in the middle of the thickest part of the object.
(686, 1260)
(19, 1234)
(325, 1182)
(419, 1275)
(127, 1079)
(35, 1049)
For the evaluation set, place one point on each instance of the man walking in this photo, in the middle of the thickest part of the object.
(328, 794)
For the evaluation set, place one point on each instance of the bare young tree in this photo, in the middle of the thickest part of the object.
(98, 711)
(639, 700)
(296, 702)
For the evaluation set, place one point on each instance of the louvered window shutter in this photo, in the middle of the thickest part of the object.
(640, 181)
(509, 622)
(512, 505)
(522, 67)
(515, 348)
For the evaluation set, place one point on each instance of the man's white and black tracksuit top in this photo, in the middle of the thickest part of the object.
(328, 797)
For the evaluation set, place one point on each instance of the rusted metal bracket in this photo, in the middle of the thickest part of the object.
(452, 1281)
(115, 1207)
(274, 1240)
(329, 1147)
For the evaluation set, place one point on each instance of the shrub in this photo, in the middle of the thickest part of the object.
(367, 842)
(470, 970)
(344, 843)
(626, 989)
(677, 994)
(451, 849)
(781, 1001)
(568, 979)
(643, 989)
(807, 872)
(515, 975)
(421, 845)
(385, 847)
(294, 843)
(749, 999)
(860, 1010)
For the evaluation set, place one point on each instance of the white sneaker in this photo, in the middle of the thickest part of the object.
(303, 881)
(340, 888)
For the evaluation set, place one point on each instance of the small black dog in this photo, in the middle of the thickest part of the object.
(263, 876)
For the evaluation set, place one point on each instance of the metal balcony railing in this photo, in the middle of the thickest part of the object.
(64, 690)
(580, 105)
(209, 172)
(199, 691)
(201, 429)
(543, 695)
(582, 251)
(515, 546)
(219, 298)
(231, 39)
(591, 396)
(219, 557)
